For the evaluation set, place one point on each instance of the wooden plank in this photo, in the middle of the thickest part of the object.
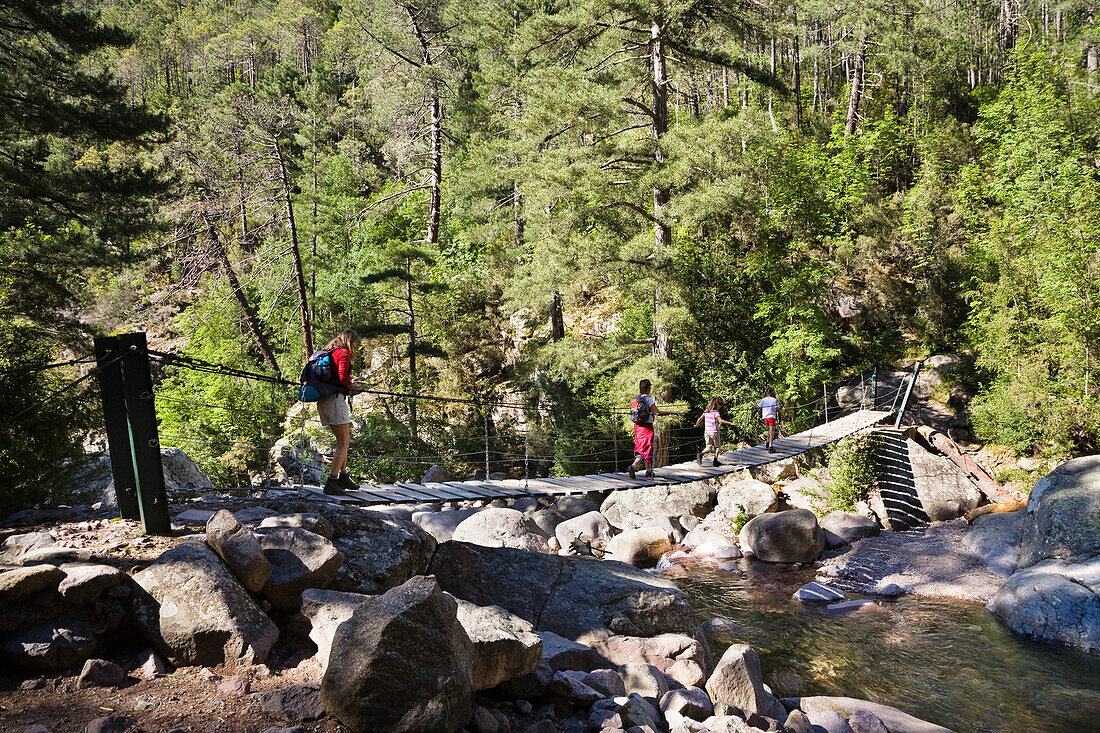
(407, 494)
(434, 494)
(457, 494)
(477, 491)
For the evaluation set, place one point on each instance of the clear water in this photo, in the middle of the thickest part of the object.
(950, 663)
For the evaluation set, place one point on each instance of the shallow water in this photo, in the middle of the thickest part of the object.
(950, 663)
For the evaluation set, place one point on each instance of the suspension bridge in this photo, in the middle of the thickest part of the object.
(680, 473)
(128, 392)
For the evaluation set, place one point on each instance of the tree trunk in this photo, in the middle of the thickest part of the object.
(299, 275)
(557, 318)
(517, 216)
(413, 384)
(250, 318)
(436, 165)
(797, 83)
(857, 89)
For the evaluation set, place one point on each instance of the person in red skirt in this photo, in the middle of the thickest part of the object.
(643, 409)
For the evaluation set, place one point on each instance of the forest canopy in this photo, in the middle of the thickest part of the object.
(547, 201)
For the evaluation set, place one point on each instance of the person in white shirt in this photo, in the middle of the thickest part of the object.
(769, 410)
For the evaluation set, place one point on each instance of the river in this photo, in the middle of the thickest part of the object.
(947, 662)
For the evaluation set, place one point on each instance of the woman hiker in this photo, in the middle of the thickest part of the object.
(643, 409)
(334, 411)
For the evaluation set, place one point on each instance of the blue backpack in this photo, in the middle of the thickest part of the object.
(319, 378)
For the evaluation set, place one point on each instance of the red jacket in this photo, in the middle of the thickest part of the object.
(342, 358)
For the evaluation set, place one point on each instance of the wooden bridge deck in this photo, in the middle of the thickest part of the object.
(680, 473)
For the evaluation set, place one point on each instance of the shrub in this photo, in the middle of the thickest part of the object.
(851, 472)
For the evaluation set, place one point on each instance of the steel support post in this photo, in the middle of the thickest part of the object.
(107, 354)
(144, 441)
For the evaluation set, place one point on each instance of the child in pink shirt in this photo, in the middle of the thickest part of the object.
(711, 430)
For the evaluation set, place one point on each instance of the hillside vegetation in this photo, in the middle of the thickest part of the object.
(547, 201)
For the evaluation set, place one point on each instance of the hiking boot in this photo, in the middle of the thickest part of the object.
(334, 487)
(630, 471)
(699, 458)
(771, 449)
(649, 474)
(717, 463)
(348, 482)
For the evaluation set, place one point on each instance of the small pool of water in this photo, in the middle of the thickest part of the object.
(947, 662)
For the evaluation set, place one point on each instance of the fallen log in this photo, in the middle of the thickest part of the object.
(992, 490)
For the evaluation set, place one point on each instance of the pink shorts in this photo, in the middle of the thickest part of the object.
(770, 422)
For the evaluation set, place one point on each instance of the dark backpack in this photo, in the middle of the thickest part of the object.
(640, 411)
(319, 377)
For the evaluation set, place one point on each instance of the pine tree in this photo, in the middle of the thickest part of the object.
(75, 190)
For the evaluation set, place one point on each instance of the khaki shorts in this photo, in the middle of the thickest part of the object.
(714, 442)
(334, 410)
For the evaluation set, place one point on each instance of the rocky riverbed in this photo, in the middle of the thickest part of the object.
(529, 616)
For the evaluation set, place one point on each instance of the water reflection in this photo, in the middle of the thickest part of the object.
(946, 662)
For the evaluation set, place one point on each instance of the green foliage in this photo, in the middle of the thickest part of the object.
(739, 520)
(851, 472)
(40, 432)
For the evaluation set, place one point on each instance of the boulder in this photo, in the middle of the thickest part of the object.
(591, 528)
(607, 682)
(1063, 514)
(817, 593)
(254, 514)
(571, 596)
(571, 507)
(805, 493)
(326, 610)
(295, 703)
(691, 703)
(842, 528)
(435, 474)
(632, 508)
(86, 583)
(525, 504)
(299, 559)
(631, 710)
(706, 541)
(896, 721)
(547, 520)
(100, 673)
(416, 627)
(828, 721)
(560, 653)
(915, 486)
(684, 658)
(669, 525)
(194, 611)
(640, 547)
(180, 474)
(769, 473)
(239, 549)
(864, 721)
(17, 544)
(1053, 600)
(644, 679)
(506, 646)
(441, 525)
(50, 647)
(305, 520)
(21, 582)
(496, 527)
(570, 687)
(753, 497)
(736, 681)
(790, 536)
(995, 538)
(380, 552)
